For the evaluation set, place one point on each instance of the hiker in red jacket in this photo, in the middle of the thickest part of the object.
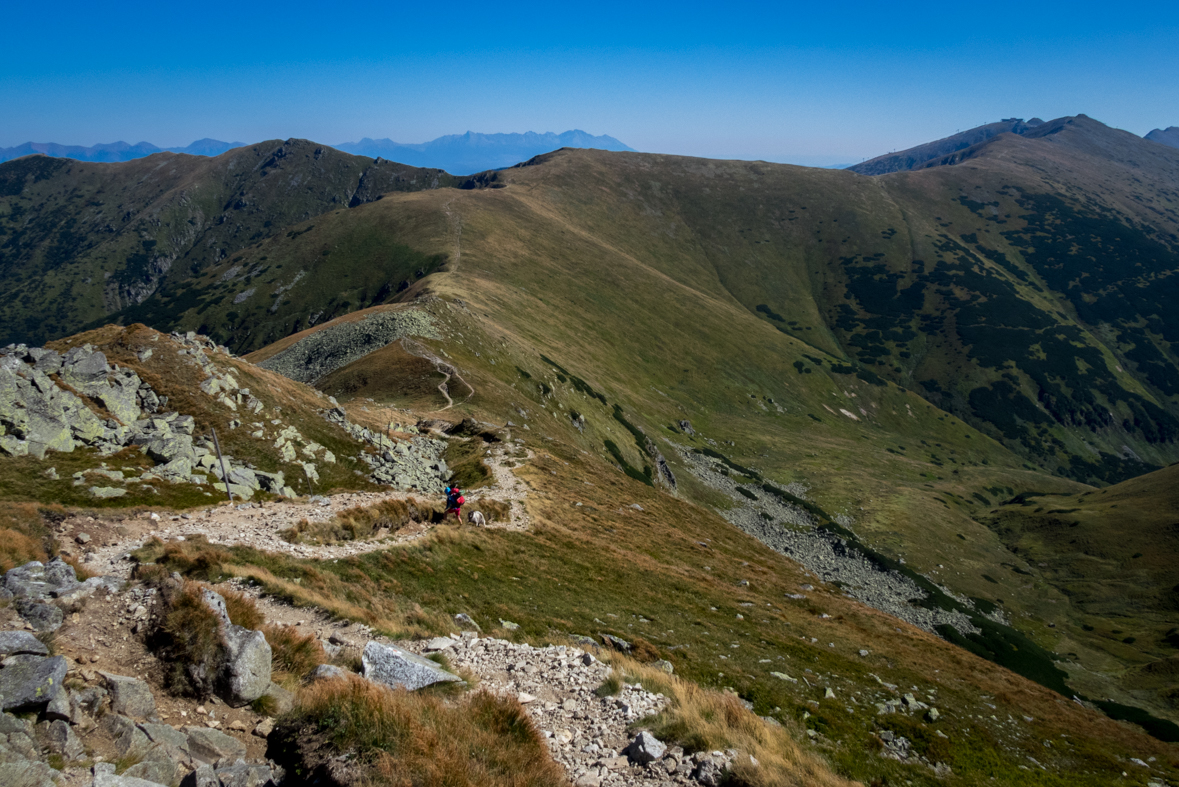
(454, 502)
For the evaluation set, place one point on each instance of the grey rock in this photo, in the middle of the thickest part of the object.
(665, 665)
(439, 644)
(708, 773)
(243, 775)
(106, 778)
(129, 696)
(130, 741)
(60, 739)
(617, 643)
(395, 667)
(327, 672)
(156, 766)
(246, 670)
(203, 776)
(14, 642)
(43, 617)
(35, 580)
(107, 492)
(59, 706)
(28, 682)
(645, 748)
(162, 733)
(10, 724)
(209, 746)
(27, 773)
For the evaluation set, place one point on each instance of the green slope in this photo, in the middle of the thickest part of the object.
(80, 241)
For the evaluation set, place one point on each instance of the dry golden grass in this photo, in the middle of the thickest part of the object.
(241, 608)
(420, 740)
(293, 655)
(23, 535)
(704, 720)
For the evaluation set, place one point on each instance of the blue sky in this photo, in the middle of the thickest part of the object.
(814, 83)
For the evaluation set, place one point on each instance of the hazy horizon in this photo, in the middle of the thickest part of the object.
(806, 85)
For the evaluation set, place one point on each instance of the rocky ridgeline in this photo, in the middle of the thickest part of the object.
(416, 463)
(329, 349)
(791, 531)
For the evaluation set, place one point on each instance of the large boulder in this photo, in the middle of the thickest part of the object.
(37, 580)
(41, 615)
(245, 673)
(29, 682)
(399, 668)
(209, 745)
(129, 696)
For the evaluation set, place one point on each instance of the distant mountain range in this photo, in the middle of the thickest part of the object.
(458, 154)
(115, 151)
(1167, 136)
(466, 154)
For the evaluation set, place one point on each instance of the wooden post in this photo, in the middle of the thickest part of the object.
(221, 459)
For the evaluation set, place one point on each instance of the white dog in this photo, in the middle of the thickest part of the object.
(476, 519)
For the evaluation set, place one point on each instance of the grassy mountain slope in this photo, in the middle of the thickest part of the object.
(79, 241)
(918, 156)
(1112, 553)
(912, 348)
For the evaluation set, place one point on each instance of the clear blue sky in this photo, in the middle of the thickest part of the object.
(814, 82)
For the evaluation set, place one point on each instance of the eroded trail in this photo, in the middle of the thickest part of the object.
(259, 525)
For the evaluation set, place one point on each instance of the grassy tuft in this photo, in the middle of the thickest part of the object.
(420, 739)
(293, 654)
(191, 640)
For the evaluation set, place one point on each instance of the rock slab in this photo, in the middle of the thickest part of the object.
(399, 668)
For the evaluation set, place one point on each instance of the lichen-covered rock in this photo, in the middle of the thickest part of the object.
(28, 682)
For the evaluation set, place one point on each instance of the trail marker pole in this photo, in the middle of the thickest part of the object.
(221, 459)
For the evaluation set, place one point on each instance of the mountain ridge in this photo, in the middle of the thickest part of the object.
(114, 151)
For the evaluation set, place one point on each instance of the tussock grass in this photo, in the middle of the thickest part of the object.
(361, 522)
(420, 740)
(293, 654)
(702, 719)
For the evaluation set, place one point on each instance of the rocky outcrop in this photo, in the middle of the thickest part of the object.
(415, 463)
(42, 592)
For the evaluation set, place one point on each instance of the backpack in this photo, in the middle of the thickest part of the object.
(460, 500)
